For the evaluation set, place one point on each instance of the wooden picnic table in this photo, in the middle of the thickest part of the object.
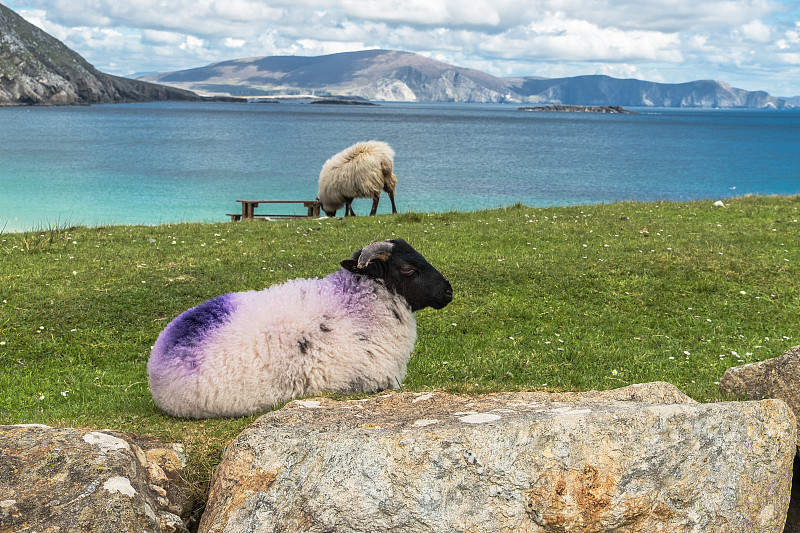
(249, 209)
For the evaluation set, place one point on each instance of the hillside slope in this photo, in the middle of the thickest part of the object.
(37, 69)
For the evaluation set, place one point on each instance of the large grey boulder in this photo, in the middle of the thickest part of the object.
(638, 459)
(774, 378)
(64, 480)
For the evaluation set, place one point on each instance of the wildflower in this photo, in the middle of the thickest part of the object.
(614, 372)
(64, 393)
(742, 292)
(686, 352)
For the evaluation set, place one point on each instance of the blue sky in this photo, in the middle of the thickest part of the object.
(751, 44)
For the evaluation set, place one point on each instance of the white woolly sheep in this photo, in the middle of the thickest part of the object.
(351, 331)
(360, 171)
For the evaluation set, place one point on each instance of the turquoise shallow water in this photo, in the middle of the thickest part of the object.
(171, 162)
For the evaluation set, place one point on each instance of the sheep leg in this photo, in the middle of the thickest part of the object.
(375, 201)
(391, 197)
(348, 207)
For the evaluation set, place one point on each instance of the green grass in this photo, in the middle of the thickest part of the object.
(562, 298)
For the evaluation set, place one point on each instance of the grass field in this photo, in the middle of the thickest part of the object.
(562, 298)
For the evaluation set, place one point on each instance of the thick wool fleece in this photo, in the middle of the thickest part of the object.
(356, 172)
(242, 353)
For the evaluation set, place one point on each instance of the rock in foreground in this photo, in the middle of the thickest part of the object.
(642, 458)
(64, 480)
(773, 378)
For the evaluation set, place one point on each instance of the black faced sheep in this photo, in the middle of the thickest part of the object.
(360, 171)
(351, 331)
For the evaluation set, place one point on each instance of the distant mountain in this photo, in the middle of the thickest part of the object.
(381, 75)
(793, 100)
(37, 69)
(386, 75)
(604, 90)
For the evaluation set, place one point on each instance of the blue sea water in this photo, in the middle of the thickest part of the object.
(171, 162)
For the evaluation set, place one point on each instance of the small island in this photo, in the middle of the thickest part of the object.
(609, 109)
(335, 101)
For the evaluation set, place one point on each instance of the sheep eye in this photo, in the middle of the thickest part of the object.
(407, 270)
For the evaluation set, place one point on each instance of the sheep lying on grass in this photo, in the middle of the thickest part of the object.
(360, 171)
(351, 331)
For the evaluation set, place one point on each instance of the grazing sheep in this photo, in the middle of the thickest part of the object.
(360, 171)
(351, 331)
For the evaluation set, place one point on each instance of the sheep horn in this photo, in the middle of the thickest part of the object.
(377, 250)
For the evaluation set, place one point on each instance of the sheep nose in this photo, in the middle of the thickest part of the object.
(447, 295)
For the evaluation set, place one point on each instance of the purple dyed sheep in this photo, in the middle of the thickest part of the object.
(351, 331)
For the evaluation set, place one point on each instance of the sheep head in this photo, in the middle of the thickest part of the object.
(404, 271)
(327, 206)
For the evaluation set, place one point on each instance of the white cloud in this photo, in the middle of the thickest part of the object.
(234, 43)
(757, 31)
(559, 38)
(160, 37)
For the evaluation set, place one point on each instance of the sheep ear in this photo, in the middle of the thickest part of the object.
(349, 264)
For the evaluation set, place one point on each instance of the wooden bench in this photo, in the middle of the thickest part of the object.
(249, 208)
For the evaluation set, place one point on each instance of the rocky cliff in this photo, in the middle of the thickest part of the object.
(601, 90)
(387, 75)
(37, 69)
